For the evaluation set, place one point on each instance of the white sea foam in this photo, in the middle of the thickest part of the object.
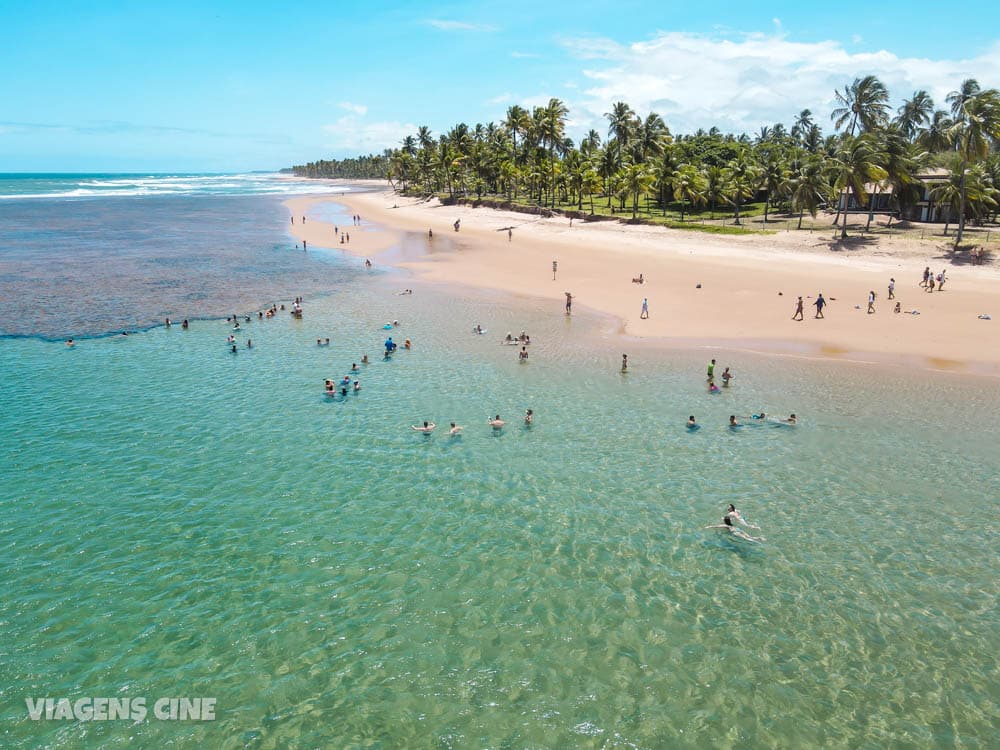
(117, 186)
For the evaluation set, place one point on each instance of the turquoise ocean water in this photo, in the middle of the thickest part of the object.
(179, 520)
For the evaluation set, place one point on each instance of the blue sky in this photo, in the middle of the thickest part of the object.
(219, 86)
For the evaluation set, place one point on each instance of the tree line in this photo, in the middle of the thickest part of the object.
(529, 158)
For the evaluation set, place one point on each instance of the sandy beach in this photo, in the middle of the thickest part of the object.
(734, 291)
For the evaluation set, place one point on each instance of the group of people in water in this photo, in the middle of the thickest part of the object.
(495, 422)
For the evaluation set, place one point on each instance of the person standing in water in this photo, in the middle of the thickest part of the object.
(711, 370)
(569, 303)
(726, 377)
(624, 363)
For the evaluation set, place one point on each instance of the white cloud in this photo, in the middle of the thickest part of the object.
(501, 98)
(521, 55)
(448, 25)
(740, 82)
(358, 109)
(352, 133)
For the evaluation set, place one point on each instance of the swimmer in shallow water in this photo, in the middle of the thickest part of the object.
(496, 423)
(735, 516)
(357, 385)
(733, 422)
(426, 428)
(529, 416)
(727, 524)
(691, 423)
(455, 429)
(364, 359)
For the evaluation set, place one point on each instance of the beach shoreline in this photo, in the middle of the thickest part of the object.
(702, 290)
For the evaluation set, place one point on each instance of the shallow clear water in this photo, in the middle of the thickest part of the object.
(178, 520)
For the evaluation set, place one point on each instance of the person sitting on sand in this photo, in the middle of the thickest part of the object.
(455, 429)
(638, 279)
(897, 308)
(496, 423)
(426, 428)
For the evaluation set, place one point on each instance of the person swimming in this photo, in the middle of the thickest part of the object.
(364, 359)
(733, 422)
(426, 428)
(357, 385)
(729, 526)
(455, 429)
(691, 423)
(529, 416)
(496, 423)
(733, 516)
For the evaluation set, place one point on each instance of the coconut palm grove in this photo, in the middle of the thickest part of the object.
(877, 159)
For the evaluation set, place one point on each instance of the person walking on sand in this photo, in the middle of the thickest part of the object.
(940, 281)
(871, 301)
(798, 310)
(645, 309)
(510, 234)
(927, 275)
(569, 303)
(892, 288)
(930, 283)
(820, 304)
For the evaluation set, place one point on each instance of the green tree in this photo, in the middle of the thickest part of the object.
(864, 103)
(858, 161)
(976, 115)
(810, 187)
(689, 186)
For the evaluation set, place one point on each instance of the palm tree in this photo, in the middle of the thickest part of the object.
(803, 124)
(553, 128)
(774, 175)
(915, 114)
(810, 187)
(741, 179)
(936, 136)
(637, 180)
(957, 99)
(621, 123)
(977, 124)
(858, 161)
(714, 186)
(864, 103)
(651, 136)
(689, 186)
